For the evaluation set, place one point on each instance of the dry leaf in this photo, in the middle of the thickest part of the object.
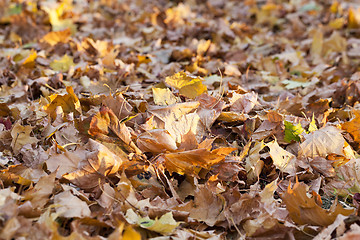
(69, 206)
(327, 140)
(68, 102)
(304, 210)
(190, 162)
(99, 163)
(21, 136)
(156, 141)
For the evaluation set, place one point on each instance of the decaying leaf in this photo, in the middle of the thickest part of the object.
(70, 206)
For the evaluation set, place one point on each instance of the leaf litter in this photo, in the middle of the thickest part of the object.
(179, 119)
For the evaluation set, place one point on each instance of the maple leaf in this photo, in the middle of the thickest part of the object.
(39, 195)
(68, 102)
(304, 210)
(163, 96)
(54, 38)
(352, 126)
(206, 206)
(243, 103)
(282, 159)
(190, 162)
(105, 122)
(21, 136)
(156, 141)
(65, 162)
(100, 162)
(188, 86)
(322, 142)
(70, 206)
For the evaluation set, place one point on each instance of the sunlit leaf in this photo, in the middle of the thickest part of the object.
(68, 102)
(188, 86)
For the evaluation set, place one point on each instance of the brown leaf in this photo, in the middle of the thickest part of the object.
(21, 136)
(39, 195)
(100, 162)
(304, 210)
(207, 206)
(107, 127)
(156, 141)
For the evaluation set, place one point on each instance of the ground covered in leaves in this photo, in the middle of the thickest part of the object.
(193, 119)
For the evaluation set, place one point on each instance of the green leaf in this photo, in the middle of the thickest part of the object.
(292, 132)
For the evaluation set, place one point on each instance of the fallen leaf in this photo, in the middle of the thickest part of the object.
(282, 159)
(68, 102)
(69, 206)
(304, 210)
(163, 96)
(322, 142)
(54, 38)
(190, 162)
(352, 126)
(39, 195)
(21, 136)
(292, 132)
(100, 162)
(156, 141)
(164, 225)
(188, 86)
(63, 64)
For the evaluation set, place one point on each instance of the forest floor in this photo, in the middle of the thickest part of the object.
(194, 119)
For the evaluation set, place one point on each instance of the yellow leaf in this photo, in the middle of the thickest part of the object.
(163, 96)
(143, 59)
(30, 60)
(131, 234)
(68, 102)
(335, 43)
(53, 38)
(56, 22)
(63, 64)
(189, 86)
(354, 18)
(193, 90)
(317, 45)
(165, 225)
(337, 23)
